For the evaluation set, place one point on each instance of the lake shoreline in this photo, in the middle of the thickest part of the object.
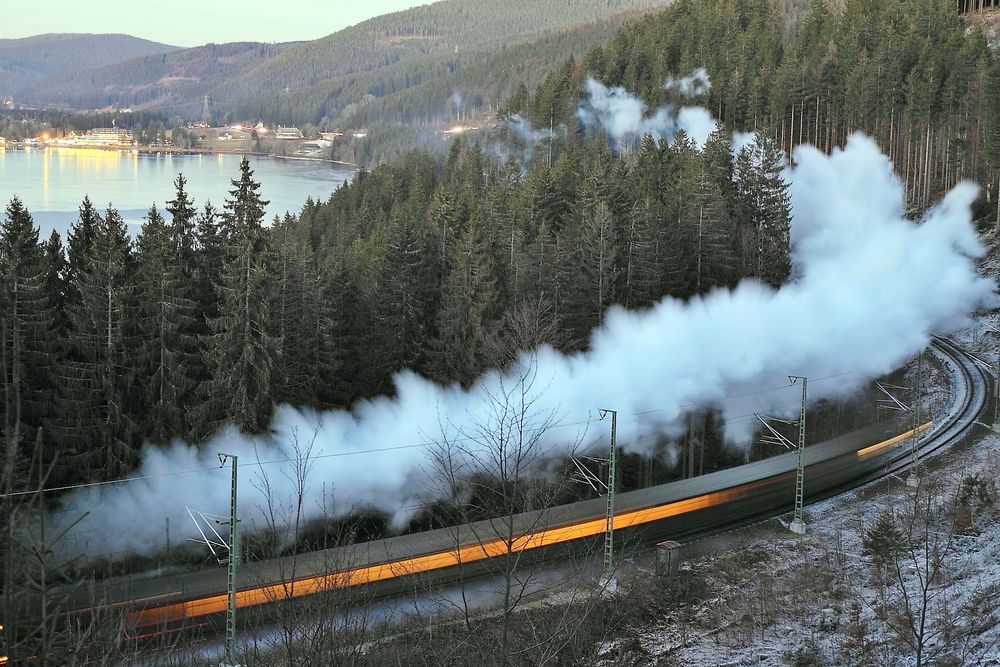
(173, 150)
(52, 183)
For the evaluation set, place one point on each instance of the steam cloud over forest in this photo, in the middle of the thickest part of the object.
(623, 115)
(870, 288)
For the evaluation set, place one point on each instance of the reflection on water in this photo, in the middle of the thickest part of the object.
(45, 183)
(52, 182)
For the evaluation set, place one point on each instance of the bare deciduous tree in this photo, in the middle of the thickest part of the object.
(331, 627)
(915, 601)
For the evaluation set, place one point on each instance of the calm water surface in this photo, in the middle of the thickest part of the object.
(52, 182)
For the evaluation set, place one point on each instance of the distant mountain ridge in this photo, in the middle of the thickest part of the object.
(26, 62)
(175, 81)
(460, 78)
(321, 77)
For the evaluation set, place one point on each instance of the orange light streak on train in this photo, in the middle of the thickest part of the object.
(216, 604)
(876, 448)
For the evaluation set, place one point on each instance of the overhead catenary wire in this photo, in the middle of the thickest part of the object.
(391, 448)
(598, 440)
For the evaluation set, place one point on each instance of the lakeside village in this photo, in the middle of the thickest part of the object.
(201, 138)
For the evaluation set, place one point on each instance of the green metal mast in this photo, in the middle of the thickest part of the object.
(230, 657)
(798, 524)
(609, 525)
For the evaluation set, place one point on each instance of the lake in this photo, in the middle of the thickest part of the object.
(53, 181)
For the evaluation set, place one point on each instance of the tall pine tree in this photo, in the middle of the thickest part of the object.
(707, 228)
(165, 324)
(96, 388)
(241, 349)
(469, 306)
(763, 211)
(406, 292)
(303, 320)
(24, 307)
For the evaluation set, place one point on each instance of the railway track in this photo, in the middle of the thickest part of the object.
(969, 397)
(971, 387)
(682, 509)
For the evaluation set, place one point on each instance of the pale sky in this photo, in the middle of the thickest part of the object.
(194, 22)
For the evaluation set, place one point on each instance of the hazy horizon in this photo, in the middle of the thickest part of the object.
(191, 23)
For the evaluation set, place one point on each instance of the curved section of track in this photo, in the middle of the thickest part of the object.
(970, 390)
(677, 509)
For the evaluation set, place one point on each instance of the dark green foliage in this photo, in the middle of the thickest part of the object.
(167, 321)
(303, 320)
(209, 239)
(54, 259)
(241, 349)
(763, 211)
(884, 542)
(407, 276)
(92, 424)
(707, 230)
(598, 253)
(78, 249)
(469, 304)
(905, 73)
(27, 318)
(434, 258)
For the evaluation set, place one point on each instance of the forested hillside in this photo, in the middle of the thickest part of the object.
(428, 89)
(26, 62)
(413, 117)
(175, 81)
(310, 81)
(411, 47)
(451, 265)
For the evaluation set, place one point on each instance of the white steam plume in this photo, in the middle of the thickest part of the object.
(527, 133)
(522, 141)
(624, 116)
(872, 288)
(695, 84)
(741, 140)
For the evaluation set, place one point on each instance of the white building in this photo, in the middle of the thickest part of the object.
(288, 133)
(105, 136)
